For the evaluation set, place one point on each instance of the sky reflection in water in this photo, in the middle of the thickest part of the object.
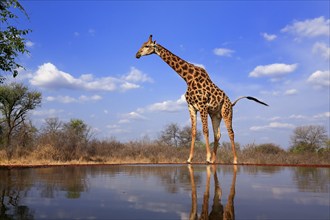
(165, 192)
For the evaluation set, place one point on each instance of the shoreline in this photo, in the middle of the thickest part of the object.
(27, 166)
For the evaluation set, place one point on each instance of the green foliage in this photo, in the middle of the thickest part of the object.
(310, 138)
(15, 102)
(269, 148)
(66, 141)
(78, 128)
(12, 41)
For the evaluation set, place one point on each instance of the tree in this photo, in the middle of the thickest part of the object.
(185, 136)
(51, 132)
(173, 135)
(170, 135)
(308, 138)
(24, 138)
(77, 135)
(53, 125)
(78, 129)
(15, 102)
(12, 41)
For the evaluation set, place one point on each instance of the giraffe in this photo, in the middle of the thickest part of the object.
(202, 95)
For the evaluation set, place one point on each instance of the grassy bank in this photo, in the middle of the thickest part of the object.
(113, 152)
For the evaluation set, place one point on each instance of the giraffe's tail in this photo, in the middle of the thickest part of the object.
(250, 98)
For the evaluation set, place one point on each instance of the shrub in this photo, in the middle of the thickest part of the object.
(269, 148)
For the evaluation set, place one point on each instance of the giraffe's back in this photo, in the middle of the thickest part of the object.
(203, 93)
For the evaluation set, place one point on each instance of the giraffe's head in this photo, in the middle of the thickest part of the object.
(147, 48)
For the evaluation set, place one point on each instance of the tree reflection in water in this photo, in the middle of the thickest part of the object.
(218, 211)
(14, 185)
(163, 191)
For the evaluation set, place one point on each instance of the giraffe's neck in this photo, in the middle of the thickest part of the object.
(178, 65)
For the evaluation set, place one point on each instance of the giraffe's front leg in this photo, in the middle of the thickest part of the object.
(204, 115)
(193, 118)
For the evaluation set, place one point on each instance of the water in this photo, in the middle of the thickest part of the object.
(165, 192)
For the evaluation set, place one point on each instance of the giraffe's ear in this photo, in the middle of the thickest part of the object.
(154, 42)
(150, 38)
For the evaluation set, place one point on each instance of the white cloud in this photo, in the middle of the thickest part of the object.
(69, 99)
(297, 117)
(49, 76)
(324, 115)
(223, 52)
(280, 125)
(86, 77)
(127, 86)
(29, 44)
(168, 106)
(136, 75)
(275, 118)
(320, 78)
(291, 92)
(62, 99)
(133, 116)
(269, 37)
(272, 125)
(272, 70)
(322, 49)
(84, 98)
(91, 32)
(123, 121)
(47, 112)
(309, 28)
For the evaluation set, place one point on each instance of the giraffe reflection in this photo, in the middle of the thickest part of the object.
(218, 211)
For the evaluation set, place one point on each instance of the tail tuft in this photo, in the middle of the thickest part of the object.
(250, 98)
(256, 100)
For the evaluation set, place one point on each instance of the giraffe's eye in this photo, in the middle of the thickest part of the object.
(146, 46)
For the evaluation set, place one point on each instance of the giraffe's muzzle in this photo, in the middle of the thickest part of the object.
(138, 55)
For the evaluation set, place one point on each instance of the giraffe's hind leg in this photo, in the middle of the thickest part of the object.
(216, 120)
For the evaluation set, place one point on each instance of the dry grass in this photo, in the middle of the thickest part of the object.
(114, 152)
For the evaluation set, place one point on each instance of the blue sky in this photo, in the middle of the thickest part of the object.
(83, 61)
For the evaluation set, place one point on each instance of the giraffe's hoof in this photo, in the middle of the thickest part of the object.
(235, 161)
(209, 162)
(189, 161)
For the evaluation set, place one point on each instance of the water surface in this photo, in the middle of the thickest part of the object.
(165, 192)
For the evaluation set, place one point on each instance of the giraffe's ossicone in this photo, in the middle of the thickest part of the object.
(202, 95)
